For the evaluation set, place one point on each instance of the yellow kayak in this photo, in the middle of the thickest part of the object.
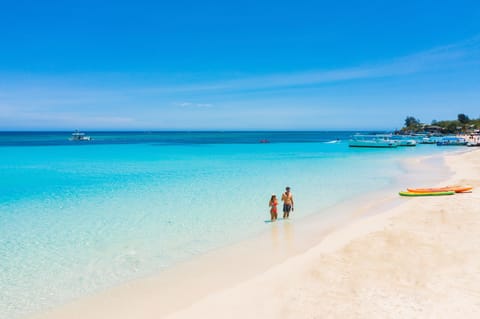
(456, 189)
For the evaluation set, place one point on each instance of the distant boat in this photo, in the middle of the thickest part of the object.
(404, 140)
(78, 136)
(264, 141)
(333, 142)
(452, 141)
(430, 140)
(375, 140)
(406, 143)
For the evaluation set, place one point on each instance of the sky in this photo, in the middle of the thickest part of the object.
(243, 65)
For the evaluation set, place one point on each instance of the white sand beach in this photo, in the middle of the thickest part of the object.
(415, 258)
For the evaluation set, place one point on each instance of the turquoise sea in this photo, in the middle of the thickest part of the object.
(78, 217)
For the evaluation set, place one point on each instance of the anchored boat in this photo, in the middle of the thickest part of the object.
(452, 141)
(375, 140)
(78, 136)
(404, 140)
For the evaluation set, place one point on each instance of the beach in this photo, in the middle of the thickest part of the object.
(143, 144)
(406, 257)
(418, 260)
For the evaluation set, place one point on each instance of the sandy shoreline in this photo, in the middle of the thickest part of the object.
(416, 259)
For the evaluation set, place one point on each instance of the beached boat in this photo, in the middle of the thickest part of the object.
(412, 194)
(377, 141)
(453, 188)
(78, 136)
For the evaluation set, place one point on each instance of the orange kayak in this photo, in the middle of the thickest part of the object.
(454, 188)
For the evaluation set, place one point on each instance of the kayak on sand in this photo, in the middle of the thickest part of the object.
(455, 188)
(426, 194)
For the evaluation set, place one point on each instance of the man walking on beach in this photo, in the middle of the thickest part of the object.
(287, 199)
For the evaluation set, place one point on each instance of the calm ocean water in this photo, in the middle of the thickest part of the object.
(77, 217)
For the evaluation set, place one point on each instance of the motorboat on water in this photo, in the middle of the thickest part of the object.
(375, 140)
(333, 142)
(79, 136)
(404, 140)
(452, 141)
(431, 140)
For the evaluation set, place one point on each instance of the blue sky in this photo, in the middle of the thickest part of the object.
(300, 65)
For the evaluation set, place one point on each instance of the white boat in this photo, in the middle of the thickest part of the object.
(473, 140)
(404, 140)
(333, 142)
(452, 141)
(78, 136)
(430, 140)
(379, 141)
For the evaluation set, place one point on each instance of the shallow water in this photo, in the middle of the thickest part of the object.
(79, 217)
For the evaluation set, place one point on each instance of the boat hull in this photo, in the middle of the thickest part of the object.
(372, 144)
(451, 144)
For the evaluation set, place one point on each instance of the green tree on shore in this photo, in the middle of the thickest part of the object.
(462, 124)
(410, 121)
(412, 124)
(462, 118)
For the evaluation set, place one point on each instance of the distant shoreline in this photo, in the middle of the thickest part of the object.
(195, 131)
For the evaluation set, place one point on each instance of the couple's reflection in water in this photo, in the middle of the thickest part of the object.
(282, 234)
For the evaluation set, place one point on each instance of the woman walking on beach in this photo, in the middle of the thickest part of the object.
(273, 207)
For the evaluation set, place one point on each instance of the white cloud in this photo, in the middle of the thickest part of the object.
(443, 57)
(194, 105)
